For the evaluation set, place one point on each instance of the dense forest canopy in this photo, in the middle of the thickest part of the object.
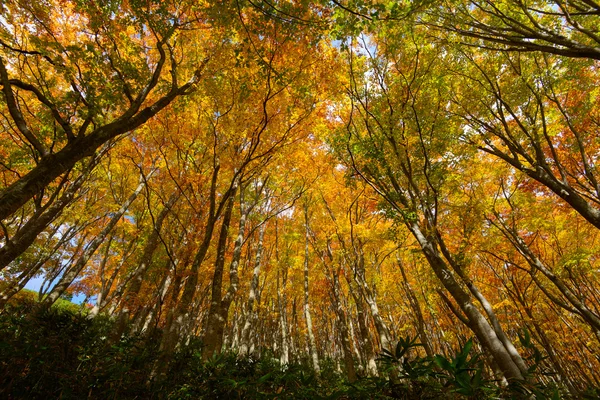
(321, 180)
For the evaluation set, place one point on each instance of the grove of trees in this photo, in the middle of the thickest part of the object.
(318, 182)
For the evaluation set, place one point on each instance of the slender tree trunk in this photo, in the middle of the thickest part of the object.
(132, 285)
(102, 292)
(178, 281)
(380, 325)
(250, 312)
(282, 277)
(338, 309)
(105, 296)
(72, 272)
(416, 307)
(352, 333)
(368, 350)
(294, 330)
(181, 312)
(487, 307)
(146, 316)
(307, 315)
(282, 311)
(344, 334)
(172, 300)
(215, 323)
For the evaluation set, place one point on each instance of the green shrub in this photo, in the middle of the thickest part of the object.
(60, 353)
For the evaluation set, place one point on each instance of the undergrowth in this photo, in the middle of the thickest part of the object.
(61, 354)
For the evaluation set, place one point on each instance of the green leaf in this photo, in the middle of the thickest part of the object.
(266, 377)
(443, 363)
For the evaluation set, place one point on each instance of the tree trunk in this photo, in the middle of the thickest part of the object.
(366, 346)
(146, 316)
(51, 166)
(72, 272)
(215, 323)
(181, 312)
(307, 315)
(132, 285)
(284, 357)
(380, 325)
(250, 312)
(345, 336)
(103, 290)
(418, 314)
(40, 221)
(479, 325)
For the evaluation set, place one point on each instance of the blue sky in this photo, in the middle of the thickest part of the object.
(36, 282)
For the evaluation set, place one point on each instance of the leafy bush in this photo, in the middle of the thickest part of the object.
(61, 353)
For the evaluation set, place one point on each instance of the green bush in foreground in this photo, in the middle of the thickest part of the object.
(61, 354)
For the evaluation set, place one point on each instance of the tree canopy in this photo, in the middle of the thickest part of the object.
(322, 180)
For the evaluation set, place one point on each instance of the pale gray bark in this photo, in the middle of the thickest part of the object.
(250, 315)
(380, 325)
(284, 357)
(476, 321)
(307, 314)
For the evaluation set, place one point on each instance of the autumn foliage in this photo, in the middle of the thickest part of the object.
(400, 191)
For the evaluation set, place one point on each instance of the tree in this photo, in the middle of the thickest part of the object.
(395, 142)
(565, 28)
(103, 74)
(522, 111)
